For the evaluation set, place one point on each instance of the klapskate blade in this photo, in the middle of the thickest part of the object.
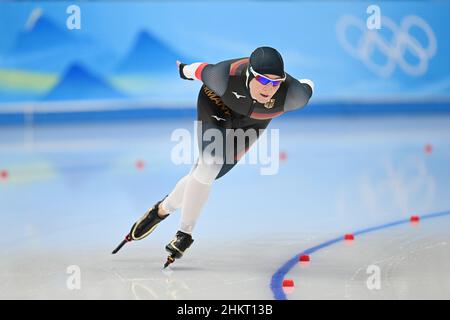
(120, 246)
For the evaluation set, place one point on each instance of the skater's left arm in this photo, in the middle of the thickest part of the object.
(298, 94)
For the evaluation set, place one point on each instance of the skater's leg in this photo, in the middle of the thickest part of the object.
(198, 186)
(203, 174)
(175, 197)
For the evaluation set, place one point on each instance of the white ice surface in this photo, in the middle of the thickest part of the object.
(73, 192)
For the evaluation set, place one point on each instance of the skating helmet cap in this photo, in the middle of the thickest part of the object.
(267, 60)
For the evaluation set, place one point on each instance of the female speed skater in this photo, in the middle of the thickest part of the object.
(244, 93)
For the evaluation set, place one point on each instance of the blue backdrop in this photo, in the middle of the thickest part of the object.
(123, 56)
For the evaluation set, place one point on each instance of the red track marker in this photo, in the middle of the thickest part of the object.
(4, 174)
(415, 219)
(349, 237)
(283, 156)
(140, 164)
(288, 283)
(304, 258)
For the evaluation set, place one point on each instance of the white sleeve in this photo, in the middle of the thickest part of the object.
(310, 83)
(190, 70)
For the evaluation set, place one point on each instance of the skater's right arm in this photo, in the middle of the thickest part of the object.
(214, 76)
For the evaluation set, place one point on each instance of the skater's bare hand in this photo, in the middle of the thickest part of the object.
(178, 63)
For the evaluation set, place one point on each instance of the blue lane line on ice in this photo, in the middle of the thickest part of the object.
(276, 283)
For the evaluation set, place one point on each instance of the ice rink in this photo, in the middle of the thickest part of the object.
(70, 193)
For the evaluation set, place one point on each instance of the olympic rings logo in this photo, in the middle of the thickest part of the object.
(393, 49)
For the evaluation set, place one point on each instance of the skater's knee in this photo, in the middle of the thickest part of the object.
(206, 172)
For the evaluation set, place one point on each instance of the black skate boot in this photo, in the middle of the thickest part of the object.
(144, 226)
(178, 246)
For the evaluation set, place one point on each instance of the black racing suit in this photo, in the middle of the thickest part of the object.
(224, 102)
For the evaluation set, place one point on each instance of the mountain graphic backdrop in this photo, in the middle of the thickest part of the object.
(48, 62)
(47, 46)
(79, 83)
(149, 55)
(119, 51)
(43, 35)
